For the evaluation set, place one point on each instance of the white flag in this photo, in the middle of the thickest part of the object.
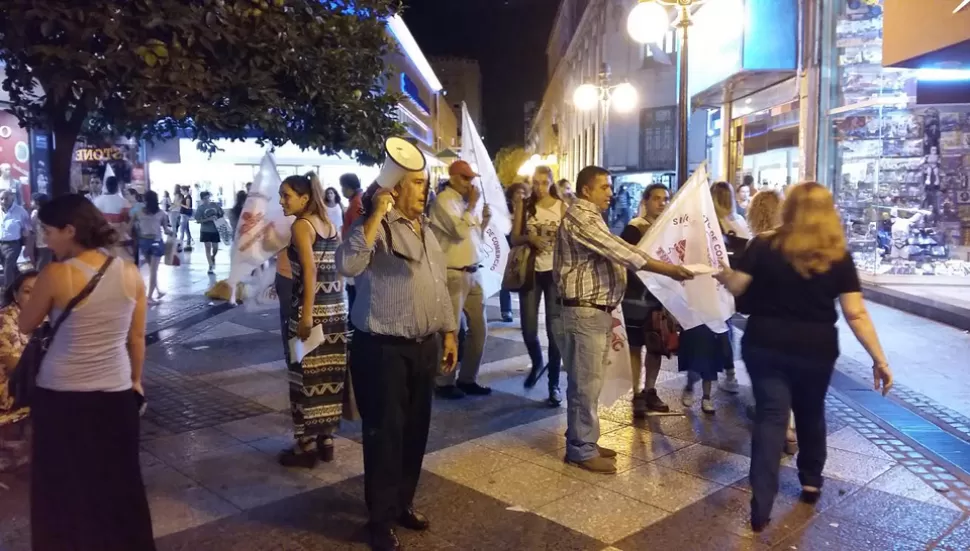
(687, 233)
(494, 248)
(263, 230)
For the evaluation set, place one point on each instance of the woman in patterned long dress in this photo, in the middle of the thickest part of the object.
(318, 383)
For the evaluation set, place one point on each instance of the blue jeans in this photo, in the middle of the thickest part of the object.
(586, 343)
(775, 377)
(505, 301)
(544, 287)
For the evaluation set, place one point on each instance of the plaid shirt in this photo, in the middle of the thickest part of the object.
(590, 263)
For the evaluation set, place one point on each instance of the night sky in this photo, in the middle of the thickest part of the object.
(507, 37)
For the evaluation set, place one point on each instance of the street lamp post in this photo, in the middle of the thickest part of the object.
(603, 96)
(647, 24)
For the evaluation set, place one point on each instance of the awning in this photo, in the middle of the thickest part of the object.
(741, 84)
(926, 34)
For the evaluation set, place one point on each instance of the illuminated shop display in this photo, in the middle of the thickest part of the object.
(899, 170)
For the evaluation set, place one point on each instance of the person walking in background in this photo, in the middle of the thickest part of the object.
(206, 215)
(235, 213)
(640, 308)
(335, 208)
(736, 235)
(152, 225)
(318, 388)
(405, 332)
(535, 223)
(185, 213)
(175, 210)
(350, 188)
(459, 232)
(86, 487)
(166, 202)
(42, 255)
(745, 192)
(590, 267)
(566, 191)
(790, 279)
(16, 232)
(13, 428)
(516, 192)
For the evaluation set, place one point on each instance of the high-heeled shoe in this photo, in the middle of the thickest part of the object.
(290, 457)
(810, 495)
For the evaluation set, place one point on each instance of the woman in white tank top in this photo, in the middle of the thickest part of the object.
(536, 223)
(86, 486)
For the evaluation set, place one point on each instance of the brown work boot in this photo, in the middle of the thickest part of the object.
(599, 465)
(606, 452)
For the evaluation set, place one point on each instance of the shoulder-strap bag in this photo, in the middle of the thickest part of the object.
(24, 377)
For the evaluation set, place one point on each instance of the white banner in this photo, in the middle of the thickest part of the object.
(617, 380)
(494, 248)
(262, 232)
(687, 233)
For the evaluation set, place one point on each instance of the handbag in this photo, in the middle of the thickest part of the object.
(520, 270)
(23, 380)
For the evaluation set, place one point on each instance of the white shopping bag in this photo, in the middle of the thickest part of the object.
(617, 381)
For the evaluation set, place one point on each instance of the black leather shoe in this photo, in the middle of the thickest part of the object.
(474, 389)
(449, 392)
(413, 520)
(382, 538)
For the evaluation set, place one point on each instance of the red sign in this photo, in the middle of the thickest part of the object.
(14, 152)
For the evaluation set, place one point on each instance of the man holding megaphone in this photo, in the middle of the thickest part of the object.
(404, 334)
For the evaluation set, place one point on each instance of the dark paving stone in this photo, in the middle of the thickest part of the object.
(905, 518)
(334, 517)
(958, 539)
(835, 492)
(457, 421)
(497, 349)
(826, 532)
(15, 510)
(177, 403)
(217, 355)
(263, 321)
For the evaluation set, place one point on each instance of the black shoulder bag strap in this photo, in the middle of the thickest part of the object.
(85, 292)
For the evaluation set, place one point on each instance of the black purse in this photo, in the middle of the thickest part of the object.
(23, 380)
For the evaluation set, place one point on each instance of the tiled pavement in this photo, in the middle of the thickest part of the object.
(494, 476)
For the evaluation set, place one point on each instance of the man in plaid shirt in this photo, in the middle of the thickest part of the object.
(590, 266)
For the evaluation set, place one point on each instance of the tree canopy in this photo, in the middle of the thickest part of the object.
(300, 71)
(508, 161)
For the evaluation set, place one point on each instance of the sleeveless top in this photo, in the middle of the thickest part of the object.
(89, 353)
(545, 224)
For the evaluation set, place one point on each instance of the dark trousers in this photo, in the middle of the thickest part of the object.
(505, 301)
(351, 297)
(544, 289)
(9, 254)
(393, 383)
(784, 383)
(284, 290)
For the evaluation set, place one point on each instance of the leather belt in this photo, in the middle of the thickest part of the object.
(392, 339)
(574, 303)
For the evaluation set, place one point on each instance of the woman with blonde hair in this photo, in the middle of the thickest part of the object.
(791, 278)
(764, 211)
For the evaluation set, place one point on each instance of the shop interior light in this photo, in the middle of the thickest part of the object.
(648, 22)
(625, 98)
(943, 75)
(586, 97)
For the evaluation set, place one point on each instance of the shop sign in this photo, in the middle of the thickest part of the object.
(412, 91)
(100, 154)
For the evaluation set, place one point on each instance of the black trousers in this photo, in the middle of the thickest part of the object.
(393, 383)
(785, 383)
(351, 297)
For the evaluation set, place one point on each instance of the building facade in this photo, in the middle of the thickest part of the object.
(462, 81)
(638, 146)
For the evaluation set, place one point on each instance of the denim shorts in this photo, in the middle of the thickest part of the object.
(151, 246)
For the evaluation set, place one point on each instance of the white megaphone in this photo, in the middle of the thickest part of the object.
(402, 157)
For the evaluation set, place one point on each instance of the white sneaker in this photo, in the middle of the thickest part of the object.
(730, 385)
(687, 397)
(707, 406)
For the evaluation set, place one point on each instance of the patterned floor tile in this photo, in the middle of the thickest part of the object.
(221, 331)
(901, 482)
(602, 514)
(467, 462)
(246, 477)
(661, 487)
(276, 424)
(643, 445)
(348, 458)
(905, 518)
(529, 486)
(958, 539)
(827, 532)
(708, 463)
(849, 439)
(182, 447)
(178, 503)
(852, 467)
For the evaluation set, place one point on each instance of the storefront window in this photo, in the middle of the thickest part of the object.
(898, 170)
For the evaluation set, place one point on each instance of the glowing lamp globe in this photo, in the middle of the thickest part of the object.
(625, 98)
(648, 22)
(586, 97)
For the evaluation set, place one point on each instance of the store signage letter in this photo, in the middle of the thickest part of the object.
(98, 154)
